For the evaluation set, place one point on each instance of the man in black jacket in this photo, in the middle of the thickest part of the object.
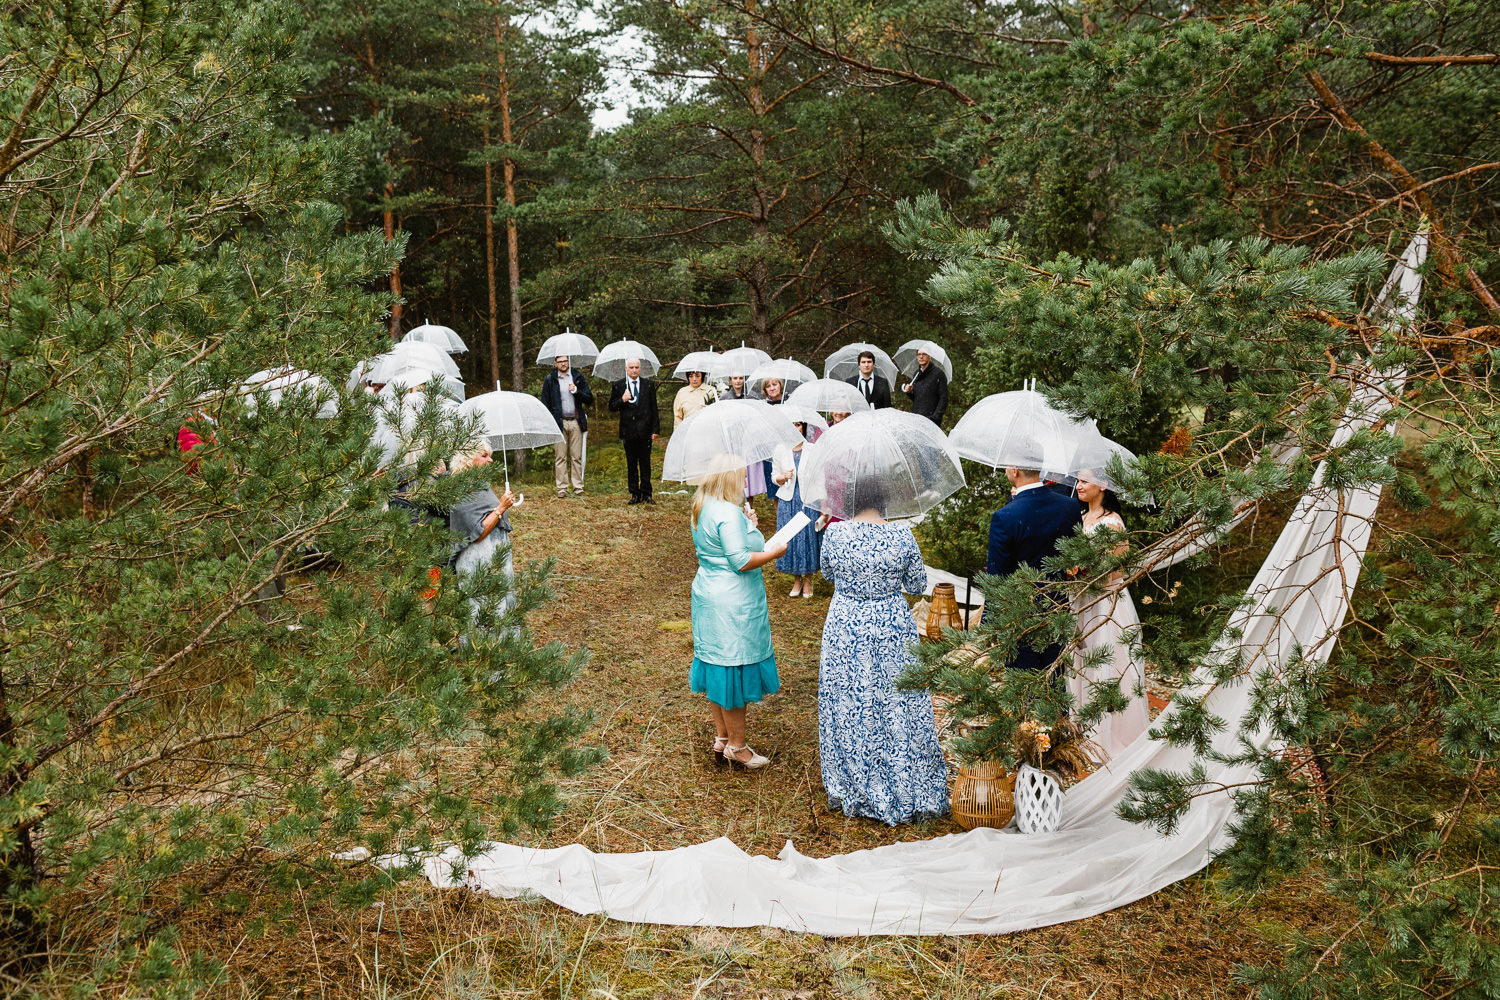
(566, 393)
(634, 398)
(876, 390)
(929, 390)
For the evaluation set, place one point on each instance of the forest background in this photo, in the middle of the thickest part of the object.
(1175, 216)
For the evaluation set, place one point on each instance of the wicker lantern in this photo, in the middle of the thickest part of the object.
(982, 796)
(943, 612)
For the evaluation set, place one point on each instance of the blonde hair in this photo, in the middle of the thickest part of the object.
(465, 458)
(728, 484)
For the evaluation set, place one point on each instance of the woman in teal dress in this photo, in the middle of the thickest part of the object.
(732, 660)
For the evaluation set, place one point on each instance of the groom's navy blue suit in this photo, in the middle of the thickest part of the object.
(1024, 532)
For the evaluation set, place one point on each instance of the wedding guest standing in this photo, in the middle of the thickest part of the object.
(879, 746)
(737, 388)
(928, 390)
(691, 398)
(634, 398)
(1026, 532)
(801, 559)
(482, 526)
(873, 386)
(733, 663)
(566, 393)
(1108, 621)
(771, 391)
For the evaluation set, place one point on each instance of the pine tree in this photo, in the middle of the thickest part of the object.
(171, 730)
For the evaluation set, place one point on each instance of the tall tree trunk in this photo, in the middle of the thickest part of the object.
(759, 278)
(389, 218)
(489, 261)
(512, 244)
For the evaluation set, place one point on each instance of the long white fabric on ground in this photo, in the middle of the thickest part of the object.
(988, 881)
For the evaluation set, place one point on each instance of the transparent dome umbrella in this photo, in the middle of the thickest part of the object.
(844, 363)
(272, 384)
(897, 463)
(695, 361)
(610, 364)
(580, 350)
(729, 434)
(1092, 458)
(396, 420)
(1018, 430)
(405, 357)
(906, 357)
(740, 360)
(791, 373)
(828, 395)
(444, 338)
(802, 415)
(511, 421)
(421, 380)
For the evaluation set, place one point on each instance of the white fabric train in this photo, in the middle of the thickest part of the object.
(989, 881)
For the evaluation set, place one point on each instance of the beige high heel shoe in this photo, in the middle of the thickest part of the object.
(755, 763)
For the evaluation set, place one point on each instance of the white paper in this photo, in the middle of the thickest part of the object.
(789, 531)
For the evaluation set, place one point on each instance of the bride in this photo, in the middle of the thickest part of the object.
(1107, 620)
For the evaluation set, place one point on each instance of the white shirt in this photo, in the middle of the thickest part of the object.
(1029, 486)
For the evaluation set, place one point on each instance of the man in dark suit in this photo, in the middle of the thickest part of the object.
(1025, 532)
(876, 390)
(634, 398)
(928, 390)
(566, 393)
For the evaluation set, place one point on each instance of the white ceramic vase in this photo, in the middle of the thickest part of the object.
(1038, 800)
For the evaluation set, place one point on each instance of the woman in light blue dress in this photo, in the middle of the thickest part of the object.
(733, 663)
(879, 746)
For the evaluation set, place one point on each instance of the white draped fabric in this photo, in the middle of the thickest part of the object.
(989, 881)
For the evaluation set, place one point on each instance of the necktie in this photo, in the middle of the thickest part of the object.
(635, 391)
(867, 390)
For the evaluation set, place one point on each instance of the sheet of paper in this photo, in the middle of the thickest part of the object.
(789, 531)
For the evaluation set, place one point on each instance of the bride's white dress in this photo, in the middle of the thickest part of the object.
(1108, 621)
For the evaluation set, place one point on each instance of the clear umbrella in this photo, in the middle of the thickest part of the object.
(1018, 430)
(580, 350)
(791, 373)
(729, 434)
(896, 463)
(444, 338)
(1092, 457)
(512, 420)
(829, 395)
(409, 357)
(740, 360)
(844, 362)
(272, 384)
(906, 357)
(421, 379)
(610, 365)
(396, 422)
(802, 415)
(696, 361)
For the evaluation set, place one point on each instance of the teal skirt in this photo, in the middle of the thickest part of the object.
(734, 687)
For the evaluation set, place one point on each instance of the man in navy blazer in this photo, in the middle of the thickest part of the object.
(1025, 532)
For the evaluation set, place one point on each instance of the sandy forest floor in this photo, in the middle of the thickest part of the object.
(622, 583)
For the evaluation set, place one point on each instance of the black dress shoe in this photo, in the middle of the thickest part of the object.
(634, 501)
(650, 501)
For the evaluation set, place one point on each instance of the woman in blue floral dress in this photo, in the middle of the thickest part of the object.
(879, 746)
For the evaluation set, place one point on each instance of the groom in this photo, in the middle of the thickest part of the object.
(1025, 532)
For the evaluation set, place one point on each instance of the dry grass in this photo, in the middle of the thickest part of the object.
(623, 579)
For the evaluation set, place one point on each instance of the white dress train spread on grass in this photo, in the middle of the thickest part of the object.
(989, 881)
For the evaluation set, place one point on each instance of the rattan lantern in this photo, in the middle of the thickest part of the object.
(942, 613)
(982, 796)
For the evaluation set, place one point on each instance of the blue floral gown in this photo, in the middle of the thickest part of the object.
(879, 746)
(802, 551)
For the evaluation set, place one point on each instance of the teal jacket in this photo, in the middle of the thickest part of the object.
(731, 624)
